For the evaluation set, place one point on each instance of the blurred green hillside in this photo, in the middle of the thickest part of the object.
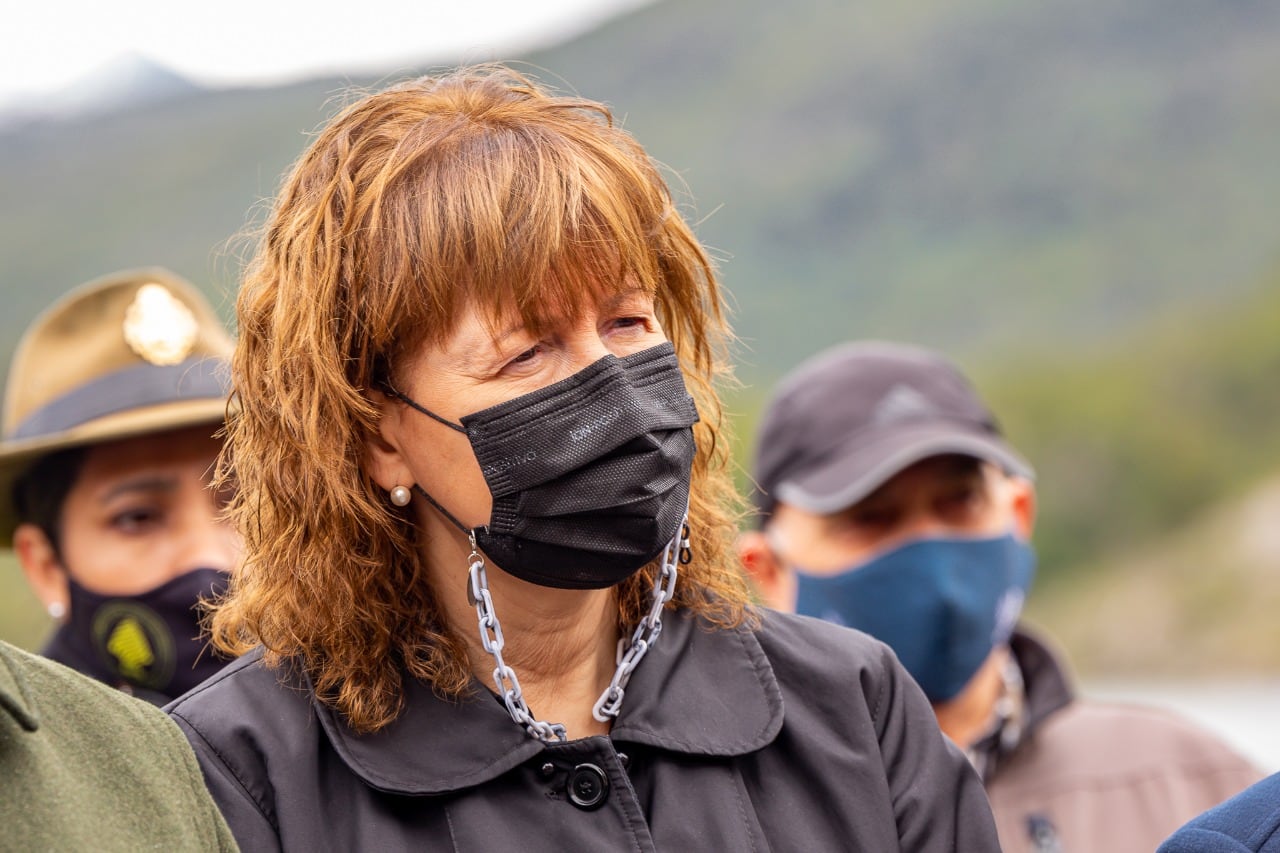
(1134, 438)
(1157, 458)
(1198, 600)
(983, 176)
(1079, 200)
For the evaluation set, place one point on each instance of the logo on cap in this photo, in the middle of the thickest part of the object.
(902, 403)
(158, 327)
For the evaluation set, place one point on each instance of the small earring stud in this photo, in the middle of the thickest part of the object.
(56, 610)
(400, 496)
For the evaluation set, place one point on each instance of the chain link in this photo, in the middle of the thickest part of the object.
(646, 633)
(504, 677)
(629, 653)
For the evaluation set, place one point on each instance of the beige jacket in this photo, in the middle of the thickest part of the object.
(1087, 777)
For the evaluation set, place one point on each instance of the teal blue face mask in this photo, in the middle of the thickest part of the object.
(942, 605)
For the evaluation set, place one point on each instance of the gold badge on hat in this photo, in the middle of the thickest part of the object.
(158, 327)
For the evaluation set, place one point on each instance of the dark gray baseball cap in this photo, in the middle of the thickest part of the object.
(848, 419)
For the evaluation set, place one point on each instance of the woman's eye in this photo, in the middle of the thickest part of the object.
(524, 359)
(630, 322)
(526, 356)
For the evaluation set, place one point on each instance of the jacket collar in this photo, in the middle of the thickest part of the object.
(698, 691)
(1045, 690)
(15, 699)
(1044, 676)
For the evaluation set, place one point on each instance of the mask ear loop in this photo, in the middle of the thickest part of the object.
(387, 388)
(448, 515)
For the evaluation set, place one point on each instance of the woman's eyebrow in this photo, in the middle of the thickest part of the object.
(474, 357)
(621, 297)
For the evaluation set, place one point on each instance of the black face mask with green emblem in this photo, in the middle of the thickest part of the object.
(589, 476)
(150, 642)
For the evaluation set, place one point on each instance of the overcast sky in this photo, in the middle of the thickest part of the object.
(50, 43)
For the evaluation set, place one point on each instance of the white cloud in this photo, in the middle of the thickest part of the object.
(52, 43)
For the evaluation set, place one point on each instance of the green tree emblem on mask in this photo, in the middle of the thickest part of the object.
(128, 644)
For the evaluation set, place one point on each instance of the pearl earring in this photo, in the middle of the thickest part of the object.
(56, 610)
(400, 495)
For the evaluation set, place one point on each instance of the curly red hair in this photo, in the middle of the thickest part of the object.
(475, 186)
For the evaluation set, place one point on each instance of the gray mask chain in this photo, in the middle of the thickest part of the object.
(629, 652)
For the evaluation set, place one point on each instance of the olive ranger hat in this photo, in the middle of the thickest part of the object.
(848, 419)
(128, 354)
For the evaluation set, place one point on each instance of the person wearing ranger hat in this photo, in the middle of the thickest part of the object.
(113, 399)
(889, 501)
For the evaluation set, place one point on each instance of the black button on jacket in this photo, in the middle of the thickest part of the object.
(797, 736)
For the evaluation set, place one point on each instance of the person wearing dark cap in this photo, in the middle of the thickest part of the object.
(889, 501)
(112, 403)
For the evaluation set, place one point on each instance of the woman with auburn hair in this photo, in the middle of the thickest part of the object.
(489, 600)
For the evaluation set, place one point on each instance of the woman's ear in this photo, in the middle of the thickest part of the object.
(42, 567)
(382, 457)
(772, 580)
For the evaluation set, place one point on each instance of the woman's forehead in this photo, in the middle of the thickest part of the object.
(493, 322)
(555, 305)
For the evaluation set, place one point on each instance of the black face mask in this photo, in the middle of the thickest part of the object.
(150, 640)
(589, 476)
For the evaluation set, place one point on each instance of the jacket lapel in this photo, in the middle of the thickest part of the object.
(702, 691)
(699, 691)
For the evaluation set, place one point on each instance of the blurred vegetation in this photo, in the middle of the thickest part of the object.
(1076, 199)
(985, 177)
(1134, 439)
(1158, 483)
(1199, 599)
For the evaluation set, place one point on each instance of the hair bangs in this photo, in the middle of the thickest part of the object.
(517, 217)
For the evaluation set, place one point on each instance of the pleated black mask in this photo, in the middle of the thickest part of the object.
(589, 476)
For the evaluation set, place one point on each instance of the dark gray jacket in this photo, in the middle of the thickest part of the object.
(799, 736)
